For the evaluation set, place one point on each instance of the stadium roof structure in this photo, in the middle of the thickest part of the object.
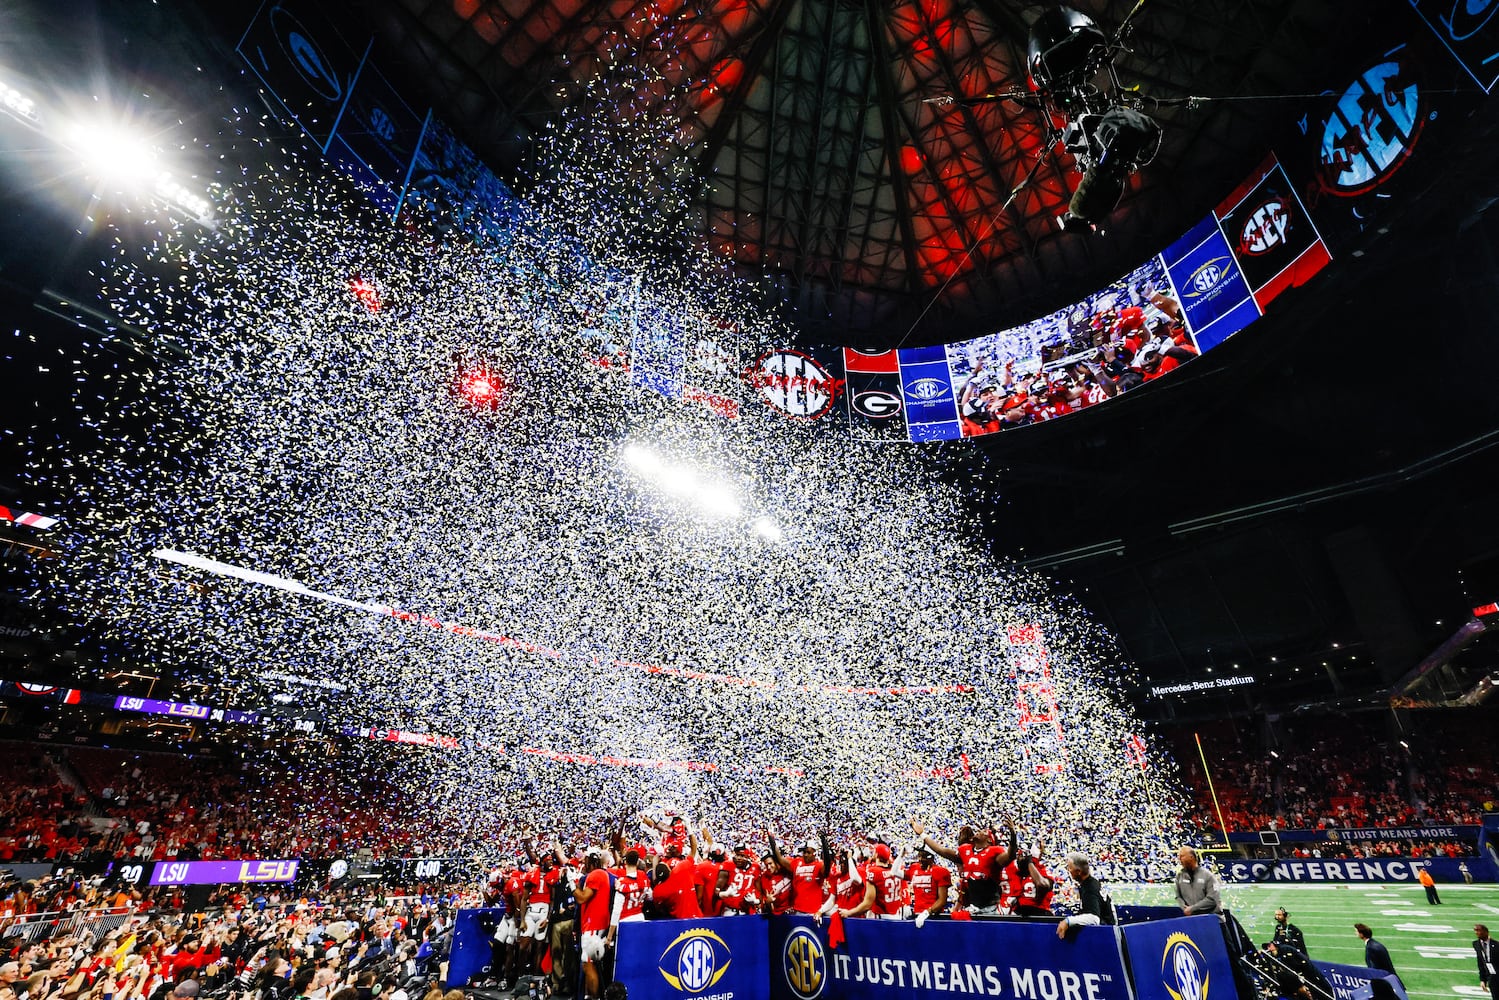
(832, 165)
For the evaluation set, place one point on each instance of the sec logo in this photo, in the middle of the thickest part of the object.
(694, 961)
(794, 383)
(1372, 130)
(1208, 277)
(805, 964)
(1183, 969)
(927, 390)
(1266, 228)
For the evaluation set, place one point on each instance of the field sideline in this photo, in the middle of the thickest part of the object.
(1430, 945)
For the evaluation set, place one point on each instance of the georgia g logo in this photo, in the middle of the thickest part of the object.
(805, 964)
(695, 961)
(1183, 969)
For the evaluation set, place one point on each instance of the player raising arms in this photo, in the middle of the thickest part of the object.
(807, 873)
(983, 865)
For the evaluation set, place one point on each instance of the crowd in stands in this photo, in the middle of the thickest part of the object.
(157, 807)
(1340, 774)
(344, 948)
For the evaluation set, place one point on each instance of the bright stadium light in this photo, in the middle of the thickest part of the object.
(114, 155)
(768, 529)
(111, 153)
(17, 104)
(681, 481)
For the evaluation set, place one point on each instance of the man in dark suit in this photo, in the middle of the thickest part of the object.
(1376, 955)
(1287, 934)
(1488, 960)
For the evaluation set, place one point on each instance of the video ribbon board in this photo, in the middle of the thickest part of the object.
(1120, 337)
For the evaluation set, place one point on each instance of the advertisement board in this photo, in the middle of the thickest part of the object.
(1354, 982)
(1449, 870)
(959, 958)
(1180, 959)
(694, 959)
(222, 872)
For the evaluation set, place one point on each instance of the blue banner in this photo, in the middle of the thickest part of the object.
(1444, 870)
(694, 959)
(471, 953)
(1351, 982)
(895, 959)
(927, 390)
(1352, 835)
(1210, 284)
(1181, 959)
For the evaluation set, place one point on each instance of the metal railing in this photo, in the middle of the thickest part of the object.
(34, 926)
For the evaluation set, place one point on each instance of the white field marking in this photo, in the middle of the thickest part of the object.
(1426, 928)
(1444, 951)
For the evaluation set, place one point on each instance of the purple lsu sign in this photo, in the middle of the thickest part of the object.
(222, 872)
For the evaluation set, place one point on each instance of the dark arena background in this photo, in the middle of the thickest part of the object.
(748, 499)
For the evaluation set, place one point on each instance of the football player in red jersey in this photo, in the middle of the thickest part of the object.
(1152, 362)
(673, 833)
(806, 873)
(982, 863)
(889, 887)
(929, 884)
(593, 919)
(738, 883)
(775, 887)
(631, 887)
(513, 891)
(709, 873)
(1029, 888)
(676, 890)
(537, 889)
(852, 895)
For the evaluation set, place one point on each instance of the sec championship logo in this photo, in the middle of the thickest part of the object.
(794, 383)
(1266, 228)
(1183, 969)
(694, 961)
(805, 964)
(1208, 277)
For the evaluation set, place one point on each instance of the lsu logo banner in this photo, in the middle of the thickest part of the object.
(1179, 959)
(723, 959)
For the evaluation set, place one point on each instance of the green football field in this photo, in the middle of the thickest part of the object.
(1430, 945)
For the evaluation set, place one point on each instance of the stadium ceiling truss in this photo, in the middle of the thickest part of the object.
(830, 166)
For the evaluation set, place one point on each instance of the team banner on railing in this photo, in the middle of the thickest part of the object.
(694, 959)
(886, 960)
(1182, 959)
(1352, 982)
(1352, 835)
